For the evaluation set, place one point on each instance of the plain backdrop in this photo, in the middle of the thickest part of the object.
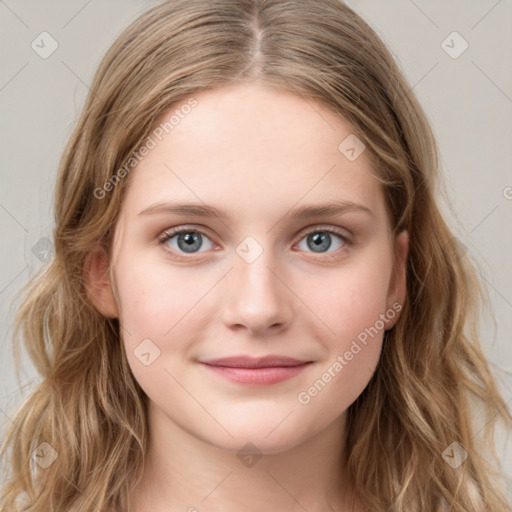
(463, 81)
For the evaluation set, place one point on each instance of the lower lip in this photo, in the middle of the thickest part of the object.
(258, 376)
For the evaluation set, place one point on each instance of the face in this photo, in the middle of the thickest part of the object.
(256, 279)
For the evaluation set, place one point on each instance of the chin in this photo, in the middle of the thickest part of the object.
(260, 437)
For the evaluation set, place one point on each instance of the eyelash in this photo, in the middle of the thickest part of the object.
(171, 233)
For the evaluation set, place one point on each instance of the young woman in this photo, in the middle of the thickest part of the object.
(255, 303)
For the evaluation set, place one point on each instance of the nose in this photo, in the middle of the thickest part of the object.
(256, 297)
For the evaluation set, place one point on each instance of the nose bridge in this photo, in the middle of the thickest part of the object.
(256, 297)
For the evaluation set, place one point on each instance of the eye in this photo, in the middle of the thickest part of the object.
(185, 240)
(320, 240)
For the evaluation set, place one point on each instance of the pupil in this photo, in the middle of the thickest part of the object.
(320, 239)
(191, 242)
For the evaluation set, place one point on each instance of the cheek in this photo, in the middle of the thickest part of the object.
(352, 353)
(351, 304)
(160, 310)
(156, 300)
(349, 300)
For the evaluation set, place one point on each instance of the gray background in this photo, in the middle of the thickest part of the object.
(468, 100)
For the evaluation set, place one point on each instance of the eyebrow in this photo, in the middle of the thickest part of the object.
(301, 213)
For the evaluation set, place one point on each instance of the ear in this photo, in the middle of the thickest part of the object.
(98, 285)
(397, 292)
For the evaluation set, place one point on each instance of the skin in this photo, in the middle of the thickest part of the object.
(257, 152)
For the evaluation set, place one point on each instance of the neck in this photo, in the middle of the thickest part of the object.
(185, 473)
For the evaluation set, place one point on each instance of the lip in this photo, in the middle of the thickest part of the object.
(260, 371)
(255, 362)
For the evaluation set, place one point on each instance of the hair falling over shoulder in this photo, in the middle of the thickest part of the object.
(89, 413)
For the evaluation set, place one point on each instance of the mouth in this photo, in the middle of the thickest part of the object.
(261, 371)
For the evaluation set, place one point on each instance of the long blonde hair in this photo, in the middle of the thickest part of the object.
(432, 374)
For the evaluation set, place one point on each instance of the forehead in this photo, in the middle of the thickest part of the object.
(259, 149)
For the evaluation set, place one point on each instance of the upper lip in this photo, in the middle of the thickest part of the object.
(255, 362)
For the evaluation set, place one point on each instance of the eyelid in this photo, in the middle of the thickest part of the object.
(184, 227)
(171, 232)
(343, 233)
